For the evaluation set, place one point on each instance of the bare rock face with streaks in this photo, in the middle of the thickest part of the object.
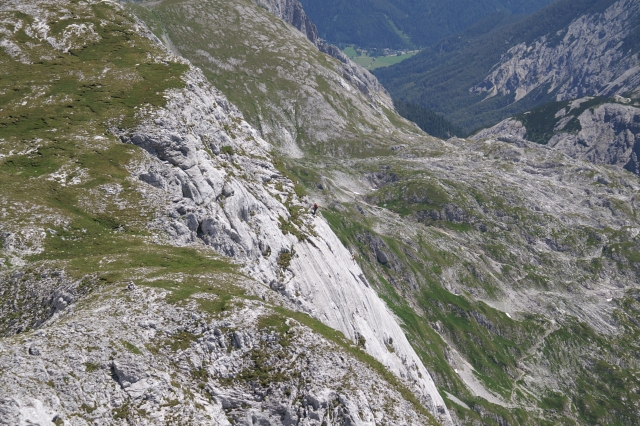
(609, 134)
(243, 216)
(212, 183)
(291, 11)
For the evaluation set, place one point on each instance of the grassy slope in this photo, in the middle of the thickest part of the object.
(413, 283)
(263, 75)
(62, 122)
(498, 347)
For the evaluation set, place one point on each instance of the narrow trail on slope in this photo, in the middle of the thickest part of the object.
(531, 352)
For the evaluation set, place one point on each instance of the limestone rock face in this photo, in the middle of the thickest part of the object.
(610, 134)
(240, 214)
(506, 128)
(589, 58)
(129, 364)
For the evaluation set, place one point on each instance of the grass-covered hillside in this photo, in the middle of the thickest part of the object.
(513, 269)
(59, 157)
(295, 95)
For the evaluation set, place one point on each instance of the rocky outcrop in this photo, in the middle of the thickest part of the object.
(40, 294)
(144, 361)
(608, 133)
(509, 128)
(291, 11)
(588, 58)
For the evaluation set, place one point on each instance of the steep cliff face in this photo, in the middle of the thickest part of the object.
(595, 55)
(257, 218)
(196, 177)
(609, 134)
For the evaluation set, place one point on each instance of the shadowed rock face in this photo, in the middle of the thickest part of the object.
(291, 11)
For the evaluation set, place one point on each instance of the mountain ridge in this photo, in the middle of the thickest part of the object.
(212, 183)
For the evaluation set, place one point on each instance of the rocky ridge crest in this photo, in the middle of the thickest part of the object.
(604, 134)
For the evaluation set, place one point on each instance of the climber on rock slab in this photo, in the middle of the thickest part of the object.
(315, 208)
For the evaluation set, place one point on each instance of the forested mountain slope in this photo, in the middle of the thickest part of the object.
(404, 23)
(567, 50)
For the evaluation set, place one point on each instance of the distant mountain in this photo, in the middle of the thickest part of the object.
(565, 51)
(405, 23)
